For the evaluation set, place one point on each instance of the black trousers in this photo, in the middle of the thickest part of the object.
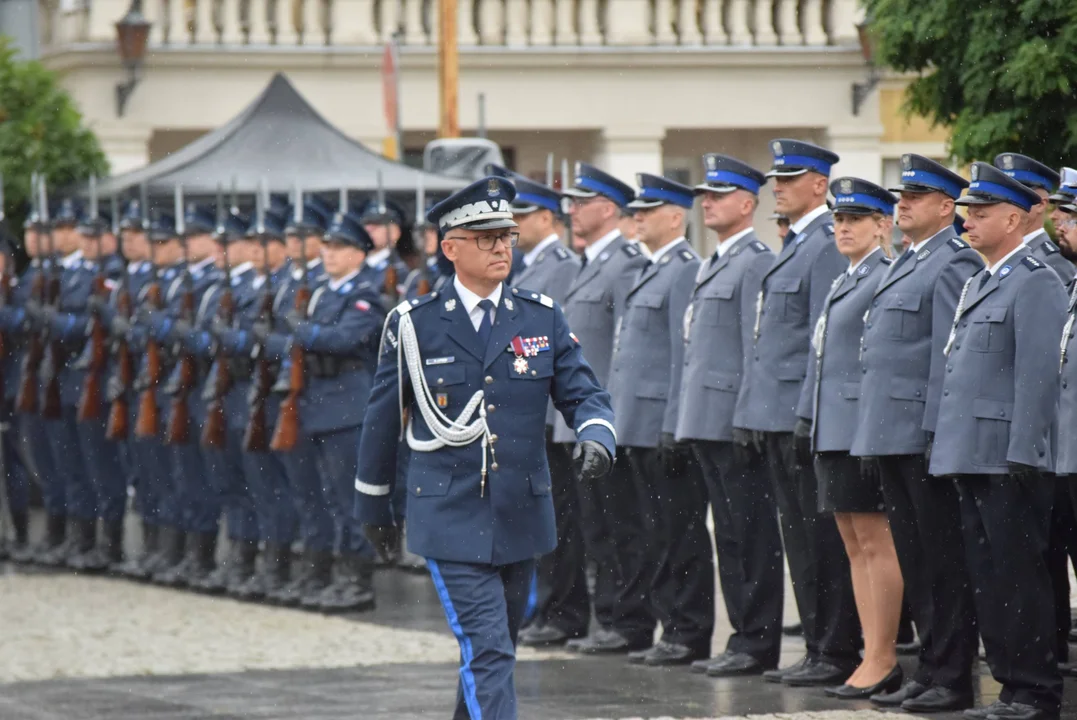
(751, 570)
(925, 520)
(673, 500)
(817, 561)
(1057, 560)
(615, 541)
(1006, 523)
(562, 578)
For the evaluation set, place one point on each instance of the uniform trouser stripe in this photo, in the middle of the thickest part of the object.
(467, 677)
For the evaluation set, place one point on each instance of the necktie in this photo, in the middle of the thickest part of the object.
(789, 237)
(583, 262)
(901, 260)
(487, 324)
(984, 278)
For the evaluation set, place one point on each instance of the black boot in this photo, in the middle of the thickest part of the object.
(19, 548)
(55, 537)
(276, 569)
(316, 576)
(107, 552)
(171, 553)
(85, 541)
(198, 561)
(236, 569)
(352, 591)
(75, 540)
(134, 567)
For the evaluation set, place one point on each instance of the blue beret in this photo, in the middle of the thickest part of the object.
(1032, 173)
(655, 190)
(532, 196)
(860, 197)
(348, 229)
(724, 174)
(796, 157)
(591, 182)
(199, 220)
(923, 175)
(483, 205)
(991, 186)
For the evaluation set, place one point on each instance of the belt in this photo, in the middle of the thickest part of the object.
(328, 366)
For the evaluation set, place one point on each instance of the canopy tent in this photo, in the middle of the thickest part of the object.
(281, 139)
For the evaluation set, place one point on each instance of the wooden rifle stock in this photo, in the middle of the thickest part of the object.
(26, 399)
(215, 431)
(286, 435)
(117, 426)
(256, 436)
(90, 401)
(50, 408)
(147, 423)
(180, 415)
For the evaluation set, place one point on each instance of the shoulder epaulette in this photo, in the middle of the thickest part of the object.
(687, 255)
(408, 305)
(1049, 247)
(829, 229)
(1032, 262)
(886, 261)
(533, 297)
(561, 252)
(758, 246)
(630, 250)
(958, 244)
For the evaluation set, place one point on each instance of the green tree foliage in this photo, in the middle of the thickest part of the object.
(995, 73)
(40, 130)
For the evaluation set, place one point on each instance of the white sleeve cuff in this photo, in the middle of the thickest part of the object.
(368, 489)
(598, 421)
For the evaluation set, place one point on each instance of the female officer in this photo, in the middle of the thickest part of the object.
(862, 222)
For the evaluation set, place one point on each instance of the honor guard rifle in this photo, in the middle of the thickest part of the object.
(89, 406)
(286, 435)
(147, 424)
(124, 376)
(425, 283)
(6, 278)
(215, 432)
(566, 221)
(187, 371)
(26, 398)
(391, 288)
(50, 369)
(255, 437)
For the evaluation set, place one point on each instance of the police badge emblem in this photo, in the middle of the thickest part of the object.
(1004, 271)
(508, 304)
(712, 162)
(450, 305)
(1007, 162)
(906, 162)
(846, 187)
(975, 173)
(492, 187)
(776, 147)
(863, 270)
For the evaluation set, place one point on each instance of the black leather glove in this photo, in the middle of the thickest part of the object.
(591, 460)
(35, 313)
(119, 327)
(385, 539)
(927, 452)
(869, 470)
(1020, 471)
(260, 331)
(746, 446)
(96, 303)
(802, 442)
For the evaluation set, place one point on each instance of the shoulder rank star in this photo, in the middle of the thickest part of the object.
(520, 365)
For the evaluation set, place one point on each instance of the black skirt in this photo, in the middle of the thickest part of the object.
(842, 489)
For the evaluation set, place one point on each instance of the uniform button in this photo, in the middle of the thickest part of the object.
(418, 491)
(900, 301)
(493, 439)
(964, 323)
(1065, 385)
(489, 380)
(441, 381)
(867, 325)
(490, 408)
(534, 372)
(864, 371)
(1002, 413)
(875, 303)
(917, 393)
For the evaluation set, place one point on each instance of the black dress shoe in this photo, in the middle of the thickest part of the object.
(909, 690)
(818, 674)
(666, 654)
(938, 699)
(793, 630)
(544, 636)
(909, 648)
(890, 683)
(1021, 711)
(981, 713)
(608, 642)
(775, 676)
(1067, 669)
(701, 666)
(735, 665)
(1073, 635)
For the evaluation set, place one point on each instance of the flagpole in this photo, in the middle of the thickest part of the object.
(448, 71)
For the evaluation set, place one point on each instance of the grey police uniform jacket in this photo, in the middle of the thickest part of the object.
(1000, 394)
(551, 273)
(834, 364)
(1045, 250)
(718, 327)
(594, 303)
(792, 297)
(1066, 460)
(906, 329)
(648, 353)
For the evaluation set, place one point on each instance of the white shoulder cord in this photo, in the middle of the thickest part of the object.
(1068, 328)
(451, 433)
(957, 316)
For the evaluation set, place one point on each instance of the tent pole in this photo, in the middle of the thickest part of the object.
(448, 71)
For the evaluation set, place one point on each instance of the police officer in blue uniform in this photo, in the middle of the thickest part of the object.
(1044, 182)
(765, 420)
(717, 328)
(479, 505)
(612, 525)
(862, 216)
(339, 333)
(902, 371)
(648, 359)
(995, 435)
(562, 606)
(384, 222)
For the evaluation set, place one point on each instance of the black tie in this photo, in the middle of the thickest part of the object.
(583, 262)
(984, 278)
(901, 260)
(789, 237)
(487, 324)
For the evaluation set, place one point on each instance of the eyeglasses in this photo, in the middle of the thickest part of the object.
(487, 241)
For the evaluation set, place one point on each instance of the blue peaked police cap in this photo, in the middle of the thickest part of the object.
(532, 196)
(655, 190)
(724, 174)
(348, 229)
(860, 197)
(199, 220)
(923, 175)
(1031, 173)
(796, 157)
(591, 182)
(991, 186)
(314, 217)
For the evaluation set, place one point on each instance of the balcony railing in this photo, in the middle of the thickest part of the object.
(511, 24)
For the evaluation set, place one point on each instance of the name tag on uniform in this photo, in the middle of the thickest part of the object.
(529, 347)
(440, 361)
